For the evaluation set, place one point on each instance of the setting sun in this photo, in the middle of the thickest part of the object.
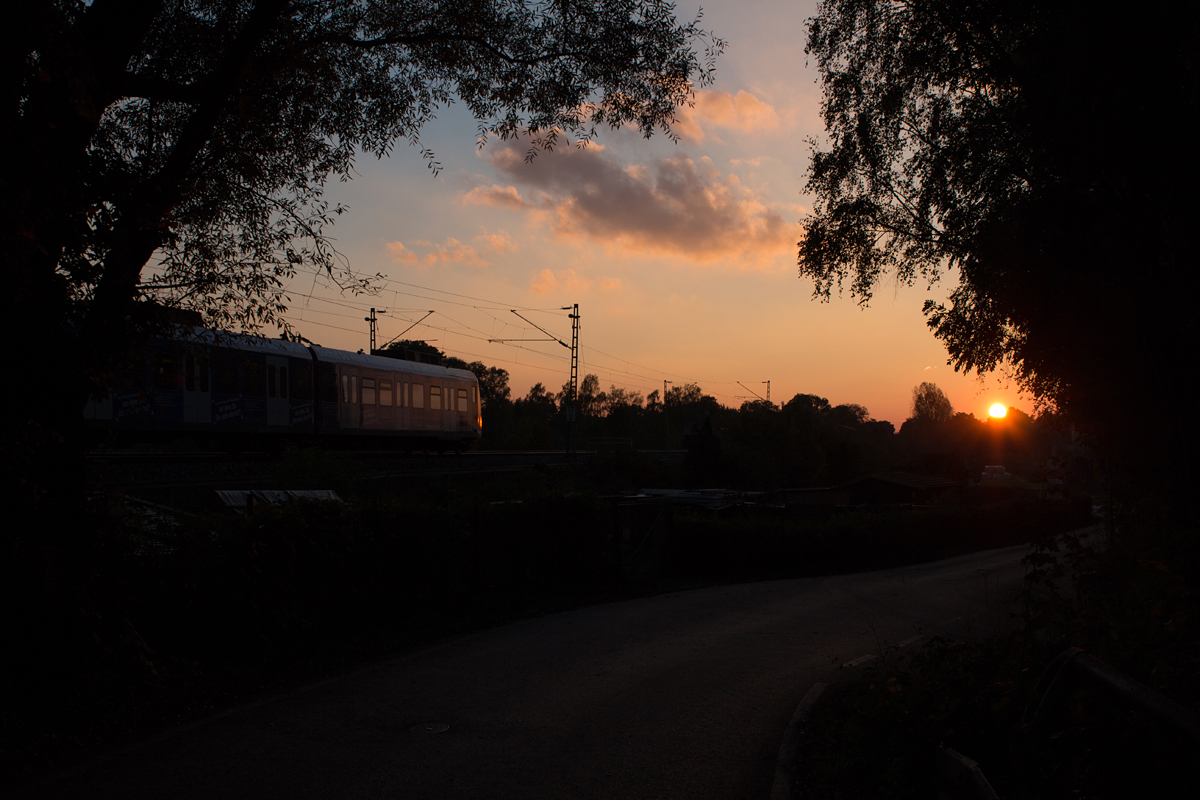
(998, 410)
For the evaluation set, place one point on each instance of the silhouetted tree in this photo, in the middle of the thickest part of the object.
(849, 415)
(619, 398)
(405, 348)
(178, 152)
(993, 138)
(590, 401)
(539, 400)
(930, 404)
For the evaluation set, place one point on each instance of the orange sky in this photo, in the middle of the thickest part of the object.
(681, 256)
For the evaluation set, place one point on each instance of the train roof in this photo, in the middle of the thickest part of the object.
(331, 356)
(328, 355)
(242, 341)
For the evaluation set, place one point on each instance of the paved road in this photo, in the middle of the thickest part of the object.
(685, 695)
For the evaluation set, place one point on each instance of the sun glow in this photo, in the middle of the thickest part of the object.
(998, 410)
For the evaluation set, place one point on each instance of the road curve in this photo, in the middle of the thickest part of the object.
(684, 695)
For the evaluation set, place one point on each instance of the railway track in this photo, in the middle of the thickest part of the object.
(133, 471)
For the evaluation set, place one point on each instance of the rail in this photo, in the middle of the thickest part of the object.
(959, 777)
(1073, 665)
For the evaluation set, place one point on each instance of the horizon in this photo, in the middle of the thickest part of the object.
(682, 257)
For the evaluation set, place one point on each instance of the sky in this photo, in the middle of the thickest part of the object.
(681, 256)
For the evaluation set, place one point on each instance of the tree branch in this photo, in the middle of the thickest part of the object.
(437, 38)
(141, 228)
(131, 84)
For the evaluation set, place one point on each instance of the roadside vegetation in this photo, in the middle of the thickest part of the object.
(1128, 599)
(171, 615)
(973, 143)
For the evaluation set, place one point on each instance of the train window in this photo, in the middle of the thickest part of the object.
(164, 373)
(404, 395)
(462, 394)
(418, 397)
(301, 383)
(345, 388)
(385, 393)
(272, 380)
(189, 373)
(253, 384)
(472, 394)
(204, 374)
(368, 391)
(283, 386)
(327, 376)
(353, 388)
(225, 377)
(435, 397)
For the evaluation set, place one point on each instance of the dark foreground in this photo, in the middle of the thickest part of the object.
(680, 695)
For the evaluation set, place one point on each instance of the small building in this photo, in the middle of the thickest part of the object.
(898, 488)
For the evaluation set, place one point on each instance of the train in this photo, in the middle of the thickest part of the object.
(237, 390)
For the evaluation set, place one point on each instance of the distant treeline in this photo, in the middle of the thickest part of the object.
(806, 441)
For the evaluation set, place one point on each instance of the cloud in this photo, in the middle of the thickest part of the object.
(497, 196)
(452, 251)
(498, 242)
(742, 112)
(610, 284)
(566, 280)
(401, 254)
(674, 206)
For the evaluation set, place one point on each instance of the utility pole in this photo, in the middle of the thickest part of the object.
(756, 394)
(573, 384)
(768, 383)
(666, 419)
(371, 319)
(574, 374)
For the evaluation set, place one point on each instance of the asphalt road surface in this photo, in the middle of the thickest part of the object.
(685, 695)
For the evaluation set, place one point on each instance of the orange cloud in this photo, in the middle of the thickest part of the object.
(675, 206)
(741, 112)
(401, 254)
(498, 242)
(452, 251)
(566, 280)
(498, 196)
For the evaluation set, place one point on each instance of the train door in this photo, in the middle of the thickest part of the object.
(402, 401)
(451, 418)
(464, 406)
(99, 407)
(401, 404)
(197, 391)
(350, 417)
(436, 404)
(279, 407)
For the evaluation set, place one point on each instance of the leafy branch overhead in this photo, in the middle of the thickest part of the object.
(1040, 152)
(196, 138)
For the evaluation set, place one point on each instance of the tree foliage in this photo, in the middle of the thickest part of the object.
(1043, 153)
(177, 150)
(930, 404)
(407, 348)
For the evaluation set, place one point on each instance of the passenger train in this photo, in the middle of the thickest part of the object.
(233, 389)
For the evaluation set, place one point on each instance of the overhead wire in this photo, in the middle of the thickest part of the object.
(609, 370)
